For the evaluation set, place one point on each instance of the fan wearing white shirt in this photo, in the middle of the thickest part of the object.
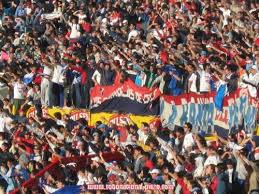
(212, 157)
(192, 79)
(143, 132)
(45, 83)
(133, 33)
(205, 79)
(75, 29)
(96, 77)
(18, 95)
(188, 141)
(84, 177)
(5, 122)
(252, 81)
(158, 32)
(58, 80)
(226, 12)
(97, 74)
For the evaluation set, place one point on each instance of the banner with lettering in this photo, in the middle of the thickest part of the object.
(125, 98)
(74, 114)
(239, 108)
(119, 119)
(92, 118)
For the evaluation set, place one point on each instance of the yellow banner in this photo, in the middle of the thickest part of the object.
(117, 119)
(92, 118)
(75, 114)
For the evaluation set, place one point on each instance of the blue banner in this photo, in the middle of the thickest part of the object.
(200, 110)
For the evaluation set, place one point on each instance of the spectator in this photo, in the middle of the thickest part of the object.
(252, 81)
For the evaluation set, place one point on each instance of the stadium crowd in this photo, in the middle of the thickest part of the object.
(53, 52)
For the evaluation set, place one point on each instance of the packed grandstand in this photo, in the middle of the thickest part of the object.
(129, 96)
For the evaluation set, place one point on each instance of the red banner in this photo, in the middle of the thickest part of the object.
(130, 90)
(209, 97)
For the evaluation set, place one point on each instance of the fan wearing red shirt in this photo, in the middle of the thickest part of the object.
(86, 26)
(81, 71)
(210, 171)
(38, 77)
(164, 57)
(183, 182)
(148, 163)
(27, 141)
(123, 133)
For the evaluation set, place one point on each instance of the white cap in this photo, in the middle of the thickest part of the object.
(104, 20)
(254, 67)
(18, 167)
(96, 159)
(154, 171)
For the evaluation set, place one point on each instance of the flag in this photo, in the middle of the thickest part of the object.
(126, 98)
(28, 78)
(219, 98)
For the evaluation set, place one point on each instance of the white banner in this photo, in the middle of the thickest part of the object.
(201, 112)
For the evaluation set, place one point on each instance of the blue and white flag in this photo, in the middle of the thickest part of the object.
(221, 93)
(28, 78)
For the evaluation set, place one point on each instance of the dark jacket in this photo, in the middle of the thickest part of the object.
(232, 83)
(100, 172)
(222, 184)
(107, 77)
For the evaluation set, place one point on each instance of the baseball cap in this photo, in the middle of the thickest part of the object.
(101, 126)
(154, 171)
(96, 159)
(254, 67)
(95, 134)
